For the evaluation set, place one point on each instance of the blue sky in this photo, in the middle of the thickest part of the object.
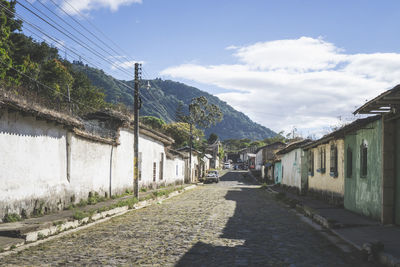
(285, 58)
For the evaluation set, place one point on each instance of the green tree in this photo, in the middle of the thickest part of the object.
(277, 138)
(179, 113)
(153, 122)
(8, 24)
(55, 75)
(212, 138)
(180, 132)
(202, 114)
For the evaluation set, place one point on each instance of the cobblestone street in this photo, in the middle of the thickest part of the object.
(232, 223)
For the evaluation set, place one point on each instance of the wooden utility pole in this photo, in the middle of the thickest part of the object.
(190, 152)
(136, 133)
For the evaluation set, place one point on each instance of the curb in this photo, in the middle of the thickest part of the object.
(37, 237)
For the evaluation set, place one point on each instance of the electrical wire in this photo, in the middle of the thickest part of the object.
(72, 37)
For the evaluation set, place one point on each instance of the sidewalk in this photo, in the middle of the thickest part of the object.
(16, 234)
(362, 233)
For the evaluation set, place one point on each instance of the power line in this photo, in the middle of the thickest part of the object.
(72, 27)
(73, 38)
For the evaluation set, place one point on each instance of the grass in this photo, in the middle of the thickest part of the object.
(12, 217)
(57, 223)
(40, 236)
(79, 215)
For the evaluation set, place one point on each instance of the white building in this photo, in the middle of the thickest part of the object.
(49, 160)
(292, 159)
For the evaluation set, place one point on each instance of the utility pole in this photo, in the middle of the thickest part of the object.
(136, 132)
(190, 152)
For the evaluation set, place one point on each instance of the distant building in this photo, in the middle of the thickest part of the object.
(293, 166)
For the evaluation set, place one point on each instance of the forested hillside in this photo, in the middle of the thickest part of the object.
(164, 97)
(36, 70)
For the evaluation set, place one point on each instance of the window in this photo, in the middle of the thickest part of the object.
(154, 171)
(322, 160)
(334, 161)
(162, 166)
(349, 162)
(363, 159)
(140, 165)
(311, 162)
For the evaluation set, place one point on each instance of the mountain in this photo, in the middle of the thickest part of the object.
(163, 98)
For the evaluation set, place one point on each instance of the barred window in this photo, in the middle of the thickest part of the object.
(322, 160)
(349, 161)
(363, 159)
(154, 171)
(334, 161)
(311, 162)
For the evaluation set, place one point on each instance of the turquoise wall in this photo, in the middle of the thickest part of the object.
(363, 195)
(278, 172)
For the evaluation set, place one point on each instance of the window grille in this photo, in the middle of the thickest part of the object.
(154, 171)
(311, 162)
(363, 160)
(349, 160)
(334, 161)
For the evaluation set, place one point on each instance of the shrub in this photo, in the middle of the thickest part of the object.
(12, 217)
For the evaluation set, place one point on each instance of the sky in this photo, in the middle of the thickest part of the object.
(286, 64)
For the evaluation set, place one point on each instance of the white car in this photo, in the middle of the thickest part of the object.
(212, 176)
(227, 165)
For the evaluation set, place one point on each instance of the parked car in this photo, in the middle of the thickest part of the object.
(227, 165)
(212, 176)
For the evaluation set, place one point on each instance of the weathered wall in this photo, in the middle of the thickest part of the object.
(326, 183)
(45, 167)
(151, 152)
(363, 195)
(174, 170)
(90, 167)
(122, 163)
(291, 168)
(32, 163)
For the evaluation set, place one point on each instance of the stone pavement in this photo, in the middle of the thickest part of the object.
(17, 233)
(355, 229)
(232, 223)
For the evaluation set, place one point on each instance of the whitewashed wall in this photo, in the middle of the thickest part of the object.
(43, 164)
(175, 170)
(122, 169)
(150, 150)
(32, 162)
(291, 166)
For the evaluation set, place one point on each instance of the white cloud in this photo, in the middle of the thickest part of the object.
(87, 5)
(305, 82)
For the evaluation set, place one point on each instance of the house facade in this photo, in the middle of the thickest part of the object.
(292, 166)
(386, 205)
(325, 167)
(363, 168)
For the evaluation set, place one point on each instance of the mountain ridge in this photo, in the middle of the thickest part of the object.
(163, 98)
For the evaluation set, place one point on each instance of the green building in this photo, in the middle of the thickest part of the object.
(363, 167)
(378, 195)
